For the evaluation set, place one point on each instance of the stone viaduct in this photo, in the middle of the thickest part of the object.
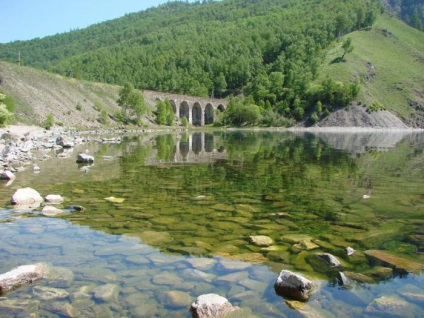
(199, 111)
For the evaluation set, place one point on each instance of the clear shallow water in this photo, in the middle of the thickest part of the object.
(190, 205)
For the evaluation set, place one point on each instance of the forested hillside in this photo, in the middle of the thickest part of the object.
(269, 50)
(410, 11)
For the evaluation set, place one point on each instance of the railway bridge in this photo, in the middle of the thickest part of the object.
(199, 111)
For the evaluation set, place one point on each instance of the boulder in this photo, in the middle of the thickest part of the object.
(64, 142)
(211, 305)
(84, 158)
(7, 175)
(22, 275)
(329, 259)
(54, 198)
(26, 196)
(293, 286)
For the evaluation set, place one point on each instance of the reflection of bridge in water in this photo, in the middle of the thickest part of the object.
(198, 147)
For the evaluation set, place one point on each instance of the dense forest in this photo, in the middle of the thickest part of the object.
(410, 11)
(268, 51)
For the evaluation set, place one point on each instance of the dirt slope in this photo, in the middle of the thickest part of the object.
(37, 93)
(357, 116)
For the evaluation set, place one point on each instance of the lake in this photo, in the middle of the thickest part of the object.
(169, 217)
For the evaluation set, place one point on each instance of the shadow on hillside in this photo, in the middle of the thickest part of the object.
(339, 59)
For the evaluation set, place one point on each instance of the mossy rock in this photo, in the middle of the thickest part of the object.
(359, 277)
(380, 273)
(321, 266)
(279, 257)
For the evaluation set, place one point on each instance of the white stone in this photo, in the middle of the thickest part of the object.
(211, 305)
(26, 196)
(54, 198)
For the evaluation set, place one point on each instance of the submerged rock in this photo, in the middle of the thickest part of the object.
(329, 259)
(51, 211)
(261, 240)
(398, 263)
(48, 293)
(390, 306)
(293, 286)
(26, 196)
(22, 275)
(211, 305)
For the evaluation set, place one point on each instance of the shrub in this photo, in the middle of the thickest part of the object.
(49, 122)
(78, 107)
(184, 121)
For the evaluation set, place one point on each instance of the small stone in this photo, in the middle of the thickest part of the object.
(115, 200)
(211, 305)
(54, 198)
(51, 211)
(261, 240)
(349, 251)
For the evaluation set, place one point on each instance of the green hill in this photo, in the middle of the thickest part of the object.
(388, 61)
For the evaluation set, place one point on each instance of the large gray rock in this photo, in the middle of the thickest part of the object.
(293, 286)
(22, 275)
(65, 142)
(7, 175)
(84, 158)
(26, 196)
(211, 305)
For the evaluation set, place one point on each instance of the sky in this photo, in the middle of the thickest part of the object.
(29, 19)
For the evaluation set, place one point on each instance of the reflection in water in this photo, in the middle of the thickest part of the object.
(198, 147)
(296, 189)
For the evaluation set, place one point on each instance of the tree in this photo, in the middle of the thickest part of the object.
(347, 46)
(132, 103)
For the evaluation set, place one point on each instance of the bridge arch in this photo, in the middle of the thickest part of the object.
(184, 110)
(197, 115)
(209, 114)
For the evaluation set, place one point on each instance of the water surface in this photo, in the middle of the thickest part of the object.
(190, 204)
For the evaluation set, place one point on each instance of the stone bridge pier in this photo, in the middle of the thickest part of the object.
(199, 111)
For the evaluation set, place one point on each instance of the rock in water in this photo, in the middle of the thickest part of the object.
(329, 259)
(22, 275)
(84, 158)
(293, 286)
(54, 198)
(26, 196)
(211, 305)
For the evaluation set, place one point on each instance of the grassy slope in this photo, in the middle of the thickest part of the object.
(37, 93)
(393, 64)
